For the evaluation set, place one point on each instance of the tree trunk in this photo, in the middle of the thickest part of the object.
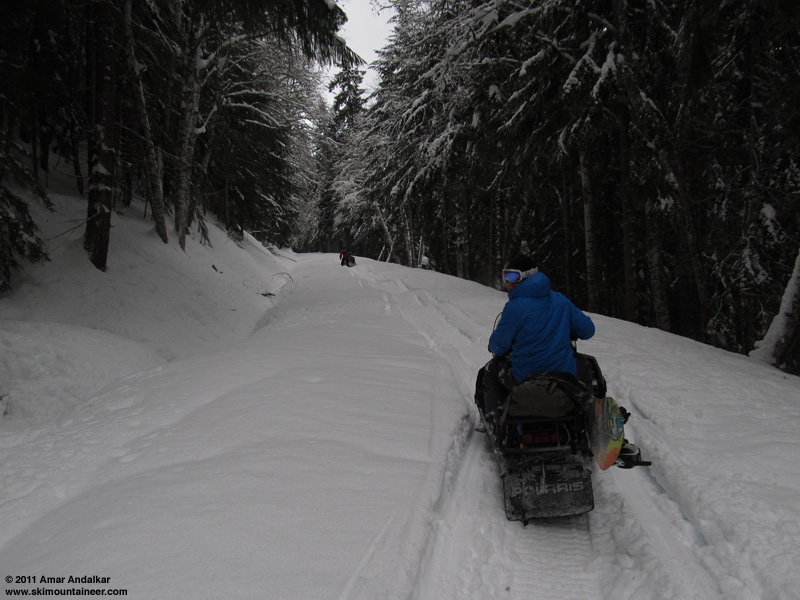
(445, 248)
(76, 162)
(694, 69)
(203, 170)
(686, 229)
(461, 245)
(592, 266)
(627, 214)
(407, 234)
(151, 166)
(780, 344)
(466, 244)
(386, 232)
(628, 97)
(655, 267)
(522, 224)
(496, 242)
(566, 228)
(187, 131)
(34, 126)
(101, 179)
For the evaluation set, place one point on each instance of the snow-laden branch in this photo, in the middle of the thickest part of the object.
(266, 118)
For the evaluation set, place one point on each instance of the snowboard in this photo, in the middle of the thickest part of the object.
(607, 431)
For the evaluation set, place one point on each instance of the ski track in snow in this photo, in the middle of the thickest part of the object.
(673, 538)
(671, 544)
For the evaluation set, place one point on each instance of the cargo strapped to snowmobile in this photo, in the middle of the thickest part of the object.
(546, 439)
(546, 395)
(541, 443)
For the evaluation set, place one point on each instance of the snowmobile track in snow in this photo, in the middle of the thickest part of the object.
(546, 559)
(673, 537)
(472, 551)
(553, 560)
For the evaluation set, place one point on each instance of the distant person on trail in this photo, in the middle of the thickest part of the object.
(346, 257)
(534, 334)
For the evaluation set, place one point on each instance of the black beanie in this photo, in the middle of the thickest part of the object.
(521, 263)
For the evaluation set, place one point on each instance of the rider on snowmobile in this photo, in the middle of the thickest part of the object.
(534, 334)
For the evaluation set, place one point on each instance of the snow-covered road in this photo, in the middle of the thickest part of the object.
(332, 453)
(473, 552)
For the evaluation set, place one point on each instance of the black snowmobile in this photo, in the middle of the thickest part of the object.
(542, 441)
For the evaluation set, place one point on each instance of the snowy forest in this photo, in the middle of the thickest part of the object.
(646, 152)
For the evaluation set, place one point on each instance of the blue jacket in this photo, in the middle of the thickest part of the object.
(537, 326)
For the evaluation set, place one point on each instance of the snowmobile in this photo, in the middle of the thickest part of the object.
(348, 260)
(550, 430)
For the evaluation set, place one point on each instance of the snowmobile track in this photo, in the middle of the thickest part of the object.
(546, 559)
(472, 551)
(552, 559)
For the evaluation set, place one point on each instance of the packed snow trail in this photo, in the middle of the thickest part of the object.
(332, 453)
(469, 521)
(581, 557)
(226, 459)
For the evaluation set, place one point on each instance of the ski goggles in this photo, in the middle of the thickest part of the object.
(515, 275)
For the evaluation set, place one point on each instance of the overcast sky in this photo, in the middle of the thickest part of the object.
(366, 31)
